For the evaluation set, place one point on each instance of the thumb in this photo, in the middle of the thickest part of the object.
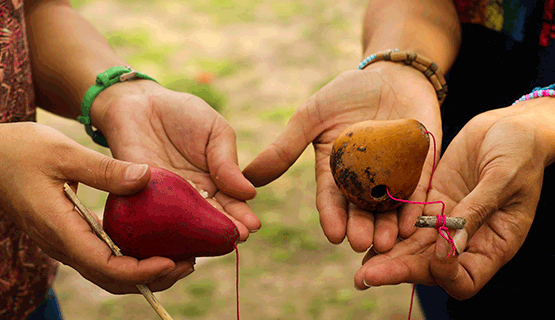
(488, 196)
(105, 173)
(476, 207)
(273, 161)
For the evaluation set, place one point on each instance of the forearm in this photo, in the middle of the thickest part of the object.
(427, 27)
(67, 53)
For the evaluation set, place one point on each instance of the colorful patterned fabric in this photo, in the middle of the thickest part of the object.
(26, 273)
(509, 16)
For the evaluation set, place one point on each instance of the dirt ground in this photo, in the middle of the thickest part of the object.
(266, 58)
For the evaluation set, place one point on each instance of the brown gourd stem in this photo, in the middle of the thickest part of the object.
(88, 216)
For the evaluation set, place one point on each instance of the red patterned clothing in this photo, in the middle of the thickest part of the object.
(510, 16)
(26, 273)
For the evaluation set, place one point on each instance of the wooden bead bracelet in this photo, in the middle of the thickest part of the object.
(419, 62)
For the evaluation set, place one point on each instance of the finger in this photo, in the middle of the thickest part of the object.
(406, 262)
(372, 252)
(87, 253)
(487, 197)
(408, 213)
(223, 165)
(273, 161)
(96, 262)
(360, 228)
(385, 231)
(405, 269)
(240, 213)
(182, 270)
(92, 168)
(331, 203)
(449, 273)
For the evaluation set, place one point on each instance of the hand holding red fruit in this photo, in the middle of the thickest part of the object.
(146, 123)
(491, 174)
(382, 91)
(36, 161)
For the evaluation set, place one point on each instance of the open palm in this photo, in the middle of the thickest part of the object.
(490, 174)
(383, 91)
(182, 133)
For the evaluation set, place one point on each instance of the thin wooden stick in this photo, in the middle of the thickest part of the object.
(430, 222)
(117, 252)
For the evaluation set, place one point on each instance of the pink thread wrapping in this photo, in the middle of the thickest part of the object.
(440, 222)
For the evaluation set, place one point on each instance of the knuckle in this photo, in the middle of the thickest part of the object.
(106, 170)
(478, 213)
(281, 153)
(63, 159)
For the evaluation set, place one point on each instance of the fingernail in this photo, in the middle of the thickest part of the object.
(135, 172)
(442, 248)
(460, 238)
(186, 273)
(366, 284)
(254, 231)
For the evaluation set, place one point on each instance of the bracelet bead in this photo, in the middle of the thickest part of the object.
(424, 65)
(537, 93)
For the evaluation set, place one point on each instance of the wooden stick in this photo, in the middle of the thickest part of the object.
(430, 222)
(149, 296)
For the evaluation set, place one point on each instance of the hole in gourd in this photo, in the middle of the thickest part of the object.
(379, 192)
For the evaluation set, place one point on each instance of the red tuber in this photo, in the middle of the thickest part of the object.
(168, 218)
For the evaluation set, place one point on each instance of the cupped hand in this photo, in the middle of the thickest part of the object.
(146, 123)
(36, 161)
(491, 174)
(382, 91)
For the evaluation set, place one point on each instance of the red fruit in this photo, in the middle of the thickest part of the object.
(168, 218)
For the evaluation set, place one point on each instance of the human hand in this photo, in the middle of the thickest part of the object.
(36, 161)
(382, 91)
(146, 123)
(492, 175)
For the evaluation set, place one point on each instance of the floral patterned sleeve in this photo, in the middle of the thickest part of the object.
(26, 273)
(510, 16)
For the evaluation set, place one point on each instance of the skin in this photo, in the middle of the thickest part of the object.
(143, 122)
(490, 174)
(382, 91)
(352, 97)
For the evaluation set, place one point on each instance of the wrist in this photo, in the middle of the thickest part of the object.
(395, 67)
(109, 97)
(417, 62)
(439, 43)
(539, 113)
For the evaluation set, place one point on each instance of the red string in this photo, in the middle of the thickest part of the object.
(412, 298)
(237, 278)
(440, 222)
